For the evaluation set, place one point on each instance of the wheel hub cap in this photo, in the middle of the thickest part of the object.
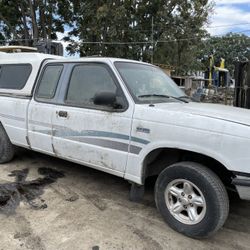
(185, 201)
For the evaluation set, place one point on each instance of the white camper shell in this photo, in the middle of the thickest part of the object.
(22, 68)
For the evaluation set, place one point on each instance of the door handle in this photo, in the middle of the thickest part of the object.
(62, 114)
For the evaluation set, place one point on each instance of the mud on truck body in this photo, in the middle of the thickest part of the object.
(129, 119)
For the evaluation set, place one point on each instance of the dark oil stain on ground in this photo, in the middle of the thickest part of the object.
(12, 193)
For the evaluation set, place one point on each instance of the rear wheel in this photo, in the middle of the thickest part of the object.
(191, 199)
(6, 147)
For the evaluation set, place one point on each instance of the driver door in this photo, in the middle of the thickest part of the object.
(91, 134)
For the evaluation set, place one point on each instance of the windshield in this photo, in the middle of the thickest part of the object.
(148, 83)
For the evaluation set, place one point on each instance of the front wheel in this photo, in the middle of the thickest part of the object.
(191, 199)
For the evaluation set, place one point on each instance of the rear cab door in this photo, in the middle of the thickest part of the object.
(41, 108)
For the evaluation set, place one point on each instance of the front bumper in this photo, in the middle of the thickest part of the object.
(242, 184)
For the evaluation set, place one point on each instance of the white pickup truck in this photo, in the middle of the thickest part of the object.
(129, 119)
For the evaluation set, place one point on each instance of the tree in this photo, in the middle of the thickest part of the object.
(185, 35)
(25, 22)
(136, 29)
(163, 31)
(101, 23)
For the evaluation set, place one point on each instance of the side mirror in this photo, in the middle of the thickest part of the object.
(105, 98)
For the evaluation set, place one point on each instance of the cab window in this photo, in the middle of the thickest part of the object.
(86, 81)
(48, 81)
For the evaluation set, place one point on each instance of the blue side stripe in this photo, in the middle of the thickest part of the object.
(62, 131)
(68, 132)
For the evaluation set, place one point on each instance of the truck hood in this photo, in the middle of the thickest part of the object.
(214, 111)
(219, 131)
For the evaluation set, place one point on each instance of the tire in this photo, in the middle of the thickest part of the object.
(6, 147)
(202, 209)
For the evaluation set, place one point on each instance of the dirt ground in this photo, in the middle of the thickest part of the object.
(88, 209)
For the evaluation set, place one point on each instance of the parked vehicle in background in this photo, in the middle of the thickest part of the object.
(129, 119)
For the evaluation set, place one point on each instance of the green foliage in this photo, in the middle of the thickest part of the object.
(24, 22)
(185, 34)
(123, 28)
(163, 31)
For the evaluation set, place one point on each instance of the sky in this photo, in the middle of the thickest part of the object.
(231, 16)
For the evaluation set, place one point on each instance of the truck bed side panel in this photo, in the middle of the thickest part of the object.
(13, 113)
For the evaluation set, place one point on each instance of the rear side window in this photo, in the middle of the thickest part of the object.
(14, 76)
(48, 81)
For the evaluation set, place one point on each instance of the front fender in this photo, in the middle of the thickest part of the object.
(231, 155)
(200, 149)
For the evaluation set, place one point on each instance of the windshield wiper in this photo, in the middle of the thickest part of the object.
(188, 97)
(164, 96)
